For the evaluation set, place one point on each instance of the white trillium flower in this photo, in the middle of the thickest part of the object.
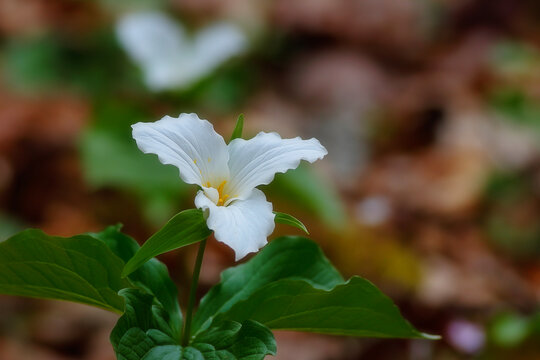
(228, 175)
(168, 57)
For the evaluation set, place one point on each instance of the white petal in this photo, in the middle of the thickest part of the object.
(244, 225)
(150, 36)
(154, 41)
(255, 162)
(158, 44)
(189, 143)
(217, 43)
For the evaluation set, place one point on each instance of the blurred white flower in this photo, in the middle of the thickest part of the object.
(228, 175)
(168, 57)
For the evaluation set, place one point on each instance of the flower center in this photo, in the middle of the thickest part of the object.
(222, 197)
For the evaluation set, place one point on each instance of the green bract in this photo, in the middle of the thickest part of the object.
(239, 127)
(287, 219)
(186, 228)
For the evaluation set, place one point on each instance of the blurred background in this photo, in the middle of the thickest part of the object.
(430, 110)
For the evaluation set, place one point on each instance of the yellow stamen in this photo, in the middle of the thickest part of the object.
(195, 161)
(220, 187)
(209, 159)
(222, 197)
(222, 200)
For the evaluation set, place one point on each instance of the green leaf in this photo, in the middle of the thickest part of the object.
(283, 258)
(290, 220)
(291, 285)
(152, 277)
(185, 228)
(143, 326)
(80, 269)
(142, 333)
(355, 308)
(237, 132)
(233, 340)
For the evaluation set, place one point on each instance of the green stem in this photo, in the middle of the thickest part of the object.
(193, 293)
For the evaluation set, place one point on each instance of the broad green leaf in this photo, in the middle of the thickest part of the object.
(143, 326)
(248, 340)
(283, 258)
(291, 285)
(185, 228)
(142, 333)
(290, 220)
(309, 192)
(237, 132)
(80, 269)
(355, 308)
(153, 276)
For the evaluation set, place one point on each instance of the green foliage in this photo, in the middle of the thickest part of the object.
(513, 57)
(507, 188)
(509, 330)
(79, 269)
(32, 63)
(237, 132)
(246, 340)
(121, 7)
(284, 258)
(290, 220)
(291, 285)
(92, 64)
(304, 188)
(143, 333)
(355, 308)
(110, 158)
(224, 90)
(152, 277)
(288, 285)
(517, 107)
(509, 223)
(144, 325)
(185, 228)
